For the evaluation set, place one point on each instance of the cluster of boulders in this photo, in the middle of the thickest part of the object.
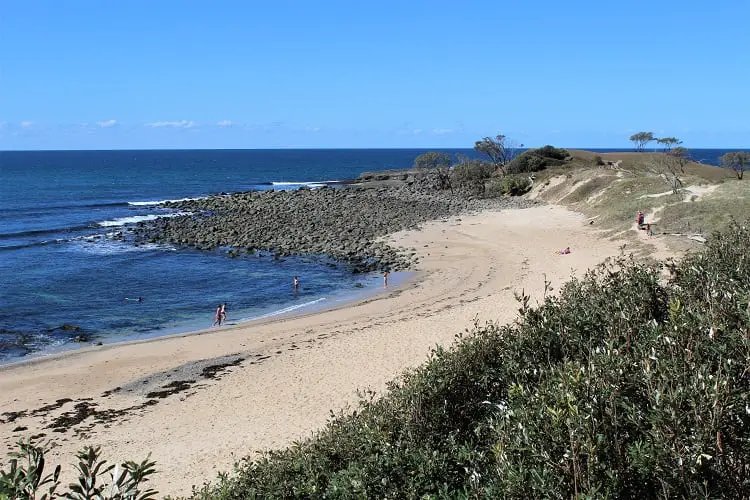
(342, 223)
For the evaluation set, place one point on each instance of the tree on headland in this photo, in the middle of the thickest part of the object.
(671, 165)
(641, 139)
(680, 157)
(739, 161)
(470, 174)
(499, 149)
(438, 163)
(432, 160)
(667, 142)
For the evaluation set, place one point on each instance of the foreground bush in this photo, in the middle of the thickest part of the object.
(25, 478)
(534, 160)
(626, 385)
(510, 185)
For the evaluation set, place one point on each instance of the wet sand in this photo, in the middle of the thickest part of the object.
(201, 401)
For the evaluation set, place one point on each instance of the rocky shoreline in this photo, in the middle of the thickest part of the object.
(344, 223)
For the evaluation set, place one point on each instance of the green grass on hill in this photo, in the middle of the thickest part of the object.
(623, 386)
(612, 196)
(642, 162)
(730, 201)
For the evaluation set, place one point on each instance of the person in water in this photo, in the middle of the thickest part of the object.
(224, 313)
(217, 320)
(296, 283)
(385, 278)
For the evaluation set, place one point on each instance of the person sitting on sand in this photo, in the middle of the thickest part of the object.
(217, 321)
(564, 251)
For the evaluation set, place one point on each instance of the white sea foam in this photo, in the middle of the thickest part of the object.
(293, 184)
(159, 202)
(289, 309)
(112, 247)
(136, 218)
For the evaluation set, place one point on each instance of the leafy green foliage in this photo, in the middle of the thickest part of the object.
(435, 167)
(499, 149)
(668, 142)
(511, 185)
(470, 175)
(534, 160)
(625, 385)
(671, 166)
(25, 477)
(641, 139)
(739, 161)
(432, 159)
(27, 480)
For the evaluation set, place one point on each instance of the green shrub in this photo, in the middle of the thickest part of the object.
(534, 160)
(470, 175)
(511, 185)
(625, 385)
(25, 479)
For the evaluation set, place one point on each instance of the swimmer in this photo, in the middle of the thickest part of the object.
(296, 283)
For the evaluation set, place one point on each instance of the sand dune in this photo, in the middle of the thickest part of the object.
(258, 386)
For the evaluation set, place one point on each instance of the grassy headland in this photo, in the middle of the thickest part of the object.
(623, 384)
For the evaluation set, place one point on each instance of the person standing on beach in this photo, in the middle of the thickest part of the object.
(224, 312)
(217, 320)
(385, 278)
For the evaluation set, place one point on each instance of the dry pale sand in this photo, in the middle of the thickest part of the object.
(294, 370)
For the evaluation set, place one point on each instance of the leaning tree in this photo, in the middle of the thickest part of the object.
(499, 149)
(668, 142)
(641, 139)
(437, 162)
(739, 161)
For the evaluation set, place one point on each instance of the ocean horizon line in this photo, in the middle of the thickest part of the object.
(327, 148)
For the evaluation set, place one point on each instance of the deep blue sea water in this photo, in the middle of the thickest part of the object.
(59, 264)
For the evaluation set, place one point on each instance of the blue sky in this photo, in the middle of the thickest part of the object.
(267, 74)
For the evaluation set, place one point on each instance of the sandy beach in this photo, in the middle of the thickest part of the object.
(202, 401)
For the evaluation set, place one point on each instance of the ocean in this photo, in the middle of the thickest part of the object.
(64, 276)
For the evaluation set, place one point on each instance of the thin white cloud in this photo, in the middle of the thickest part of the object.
(107, 123)
(178, 124)
(27, 124)
(312, 129)
(442, 131)
(417, 131)
(226, 123)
